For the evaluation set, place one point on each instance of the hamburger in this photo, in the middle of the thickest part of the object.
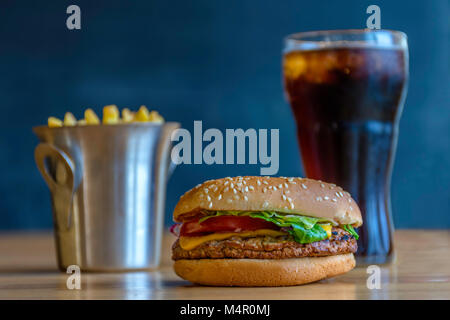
(264, 231)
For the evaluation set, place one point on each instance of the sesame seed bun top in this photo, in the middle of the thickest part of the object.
(299, 196)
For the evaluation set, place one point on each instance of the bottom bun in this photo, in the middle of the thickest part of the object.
(263, 272)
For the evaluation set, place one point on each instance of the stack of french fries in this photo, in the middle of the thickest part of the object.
(111, 115)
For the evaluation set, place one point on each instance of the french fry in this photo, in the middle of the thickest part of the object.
(110, 114)
(142, 114)
(127, 115)
(155, 117)
(91, 117)
(54, 122)
(69, 119)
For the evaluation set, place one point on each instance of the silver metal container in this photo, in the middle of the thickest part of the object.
(107, 185)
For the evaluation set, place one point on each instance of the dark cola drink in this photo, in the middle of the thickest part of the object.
(347, 101)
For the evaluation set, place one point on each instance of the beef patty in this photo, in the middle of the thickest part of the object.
(265, 247)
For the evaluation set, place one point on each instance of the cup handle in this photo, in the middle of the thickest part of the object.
(44, 151)
(66, 181)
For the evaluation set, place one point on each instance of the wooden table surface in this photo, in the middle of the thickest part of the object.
(28, 271)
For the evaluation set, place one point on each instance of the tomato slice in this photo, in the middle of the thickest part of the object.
(225, 224)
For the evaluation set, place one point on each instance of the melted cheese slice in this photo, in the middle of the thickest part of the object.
(327, 228)
(189, 243)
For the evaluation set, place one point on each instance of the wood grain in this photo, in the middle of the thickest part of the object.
(28, 271)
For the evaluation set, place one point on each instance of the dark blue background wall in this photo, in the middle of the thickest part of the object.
(216, 61)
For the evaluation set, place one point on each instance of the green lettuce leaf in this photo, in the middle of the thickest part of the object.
(303, 229)
(349, 229)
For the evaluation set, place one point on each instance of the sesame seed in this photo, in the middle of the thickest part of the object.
(258, 182)
(280, 186)
(322, 185)
(304, 187)
(289, 199)
(334, 200)
(270, 187)
(319, 198)
(326, 198)
(210, 205)
(275, 188)
(291, 179)
(293, 182)
(251, 188)
(286, 185)
(265, 182)
(208, 198)
(245, 198)
(226, 189)
(232, 185)
(265, 204)
(226, 182)
(351, 209)
(341, 194)
(239, 184)
(284, 197)
(220, 197)
(246, 189)
(206, 190)
(244, 182)
(350, 200)
(292, 205)
(337, 194)
(234, 191)
(265, 190)
(236, 197)
(287, 191)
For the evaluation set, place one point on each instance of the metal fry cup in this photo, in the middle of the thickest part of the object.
(107, 186)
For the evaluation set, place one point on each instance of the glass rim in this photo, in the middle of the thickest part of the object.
(303, 41)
